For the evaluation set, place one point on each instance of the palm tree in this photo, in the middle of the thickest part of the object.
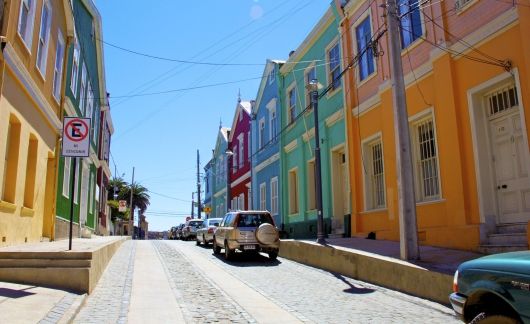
(140, 197)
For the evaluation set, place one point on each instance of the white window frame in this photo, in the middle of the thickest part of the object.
(75, 67)
(241, 201)
(241, 139)
(67, 171)
(82, 90)
(272, 75)
(261, 133)
(58, 68)
(291, 109)
(372, 181)
(235, 160)
(272, 121)
(416, 121)
(249, 143)
(263, 196)
(361, 19)
(329, 72)
(44, 39)
(310, 67)
(27, 34)
(274, 196)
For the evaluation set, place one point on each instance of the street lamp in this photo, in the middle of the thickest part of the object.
(313, 87)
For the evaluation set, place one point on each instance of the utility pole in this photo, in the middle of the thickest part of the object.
(198, 188)
(131, 216)
(408, 228)
(192, 204)
(313, 87)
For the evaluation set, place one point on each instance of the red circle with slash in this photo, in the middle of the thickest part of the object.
(76, 130)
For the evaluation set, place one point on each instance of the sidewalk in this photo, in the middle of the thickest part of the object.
(41, 303)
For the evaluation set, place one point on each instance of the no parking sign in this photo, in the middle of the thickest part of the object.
(76, 137)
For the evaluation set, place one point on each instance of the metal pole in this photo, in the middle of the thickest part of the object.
(408, 228)
(192, 203)
(318, 173)
(198, 188)
(72, 191)
(131, 208)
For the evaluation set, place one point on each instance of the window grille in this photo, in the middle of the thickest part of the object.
(427, 160)
(502, 100)
(378, 176)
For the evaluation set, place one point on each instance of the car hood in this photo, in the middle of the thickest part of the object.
(514, 262)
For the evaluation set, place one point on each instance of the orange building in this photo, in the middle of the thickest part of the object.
(467, 75)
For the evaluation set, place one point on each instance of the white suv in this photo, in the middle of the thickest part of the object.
(247, 231)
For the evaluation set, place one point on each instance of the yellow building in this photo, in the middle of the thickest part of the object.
(34, 39)
(467, 77)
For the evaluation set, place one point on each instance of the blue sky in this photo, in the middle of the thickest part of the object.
(160, 134)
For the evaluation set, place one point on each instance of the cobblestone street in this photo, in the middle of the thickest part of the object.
(208, 290)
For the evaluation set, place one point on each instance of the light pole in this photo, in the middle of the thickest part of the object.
(313, 87)
(228, 153)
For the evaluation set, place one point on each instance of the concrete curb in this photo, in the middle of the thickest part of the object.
(380, 270)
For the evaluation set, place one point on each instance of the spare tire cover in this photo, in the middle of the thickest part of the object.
(267, 234)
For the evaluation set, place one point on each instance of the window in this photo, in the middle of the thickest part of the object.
(274, 196)
(89, 104)
(311, 185)
(410, 24)
(310, 74)
(66, 176)
(82, 91)
(249, 148)
(261, 134)
(426, 160)
(459, 4)
(291, 110)
(263, 196)
(272, 121)
(44, 35)
(375, 175)
(31, 172)
(334, 66)
(25, 21)
(58, 69)
(502, 100)
(241, 201)
(11, 160)
(75, 68)
(272, 75)
(241, 150)
(293, 191)
(96, 124)
(234, 160)
(363, 33)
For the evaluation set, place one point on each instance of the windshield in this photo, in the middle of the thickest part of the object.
(253, 220)
(214, 221)
(195, 223)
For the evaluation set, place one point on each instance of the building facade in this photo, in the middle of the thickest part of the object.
(318, 57)
(85, 96)
(467, 80)
(219, 169)
(35, 38)
(239, 144)
(208, 179)
(265, 155)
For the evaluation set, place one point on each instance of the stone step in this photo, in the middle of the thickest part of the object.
(507, 239)
(44, 263)
(511, 228)
(335, 236)
(493, 249)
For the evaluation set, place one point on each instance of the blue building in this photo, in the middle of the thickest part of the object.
(208, 188)
(265, 143)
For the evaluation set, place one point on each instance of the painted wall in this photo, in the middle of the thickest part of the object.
(449, 89)
(219, 183)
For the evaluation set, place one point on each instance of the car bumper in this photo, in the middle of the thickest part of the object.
(457, 302)
(233, 244)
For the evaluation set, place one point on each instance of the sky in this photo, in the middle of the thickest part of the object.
(164, 105)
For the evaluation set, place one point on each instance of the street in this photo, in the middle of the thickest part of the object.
(177, 281)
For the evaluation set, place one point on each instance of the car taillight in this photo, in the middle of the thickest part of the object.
(210, 230)
(455, 282)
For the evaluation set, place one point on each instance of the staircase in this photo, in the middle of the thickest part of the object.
(507, 238)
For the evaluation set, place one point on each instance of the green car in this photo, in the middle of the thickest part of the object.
(493, 289)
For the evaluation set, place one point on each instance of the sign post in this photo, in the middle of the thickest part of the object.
(76, 143)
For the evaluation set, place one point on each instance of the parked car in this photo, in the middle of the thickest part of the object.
(205, 232)
(173, 233)
(178, 232)
(247, 231)
(493, 289)
(189, 231)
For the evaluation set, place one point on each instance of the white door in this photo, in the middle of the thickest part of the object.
(511, 161)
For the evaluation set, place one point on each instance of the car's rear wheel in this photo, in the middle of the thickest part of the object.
(197, 242)
(204, 240)
(216, 248)
(273, 255)
(229, 254)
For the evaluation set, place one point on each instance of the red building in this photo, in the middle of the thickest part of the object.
(239, 142)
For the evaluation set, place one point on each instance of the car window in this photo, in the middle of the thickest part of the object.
(253, 220)
(195, 223)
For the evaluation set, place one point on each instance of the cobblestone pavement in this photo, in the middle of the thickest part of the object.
(324, 297)
(201, 300)
(109, 302)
